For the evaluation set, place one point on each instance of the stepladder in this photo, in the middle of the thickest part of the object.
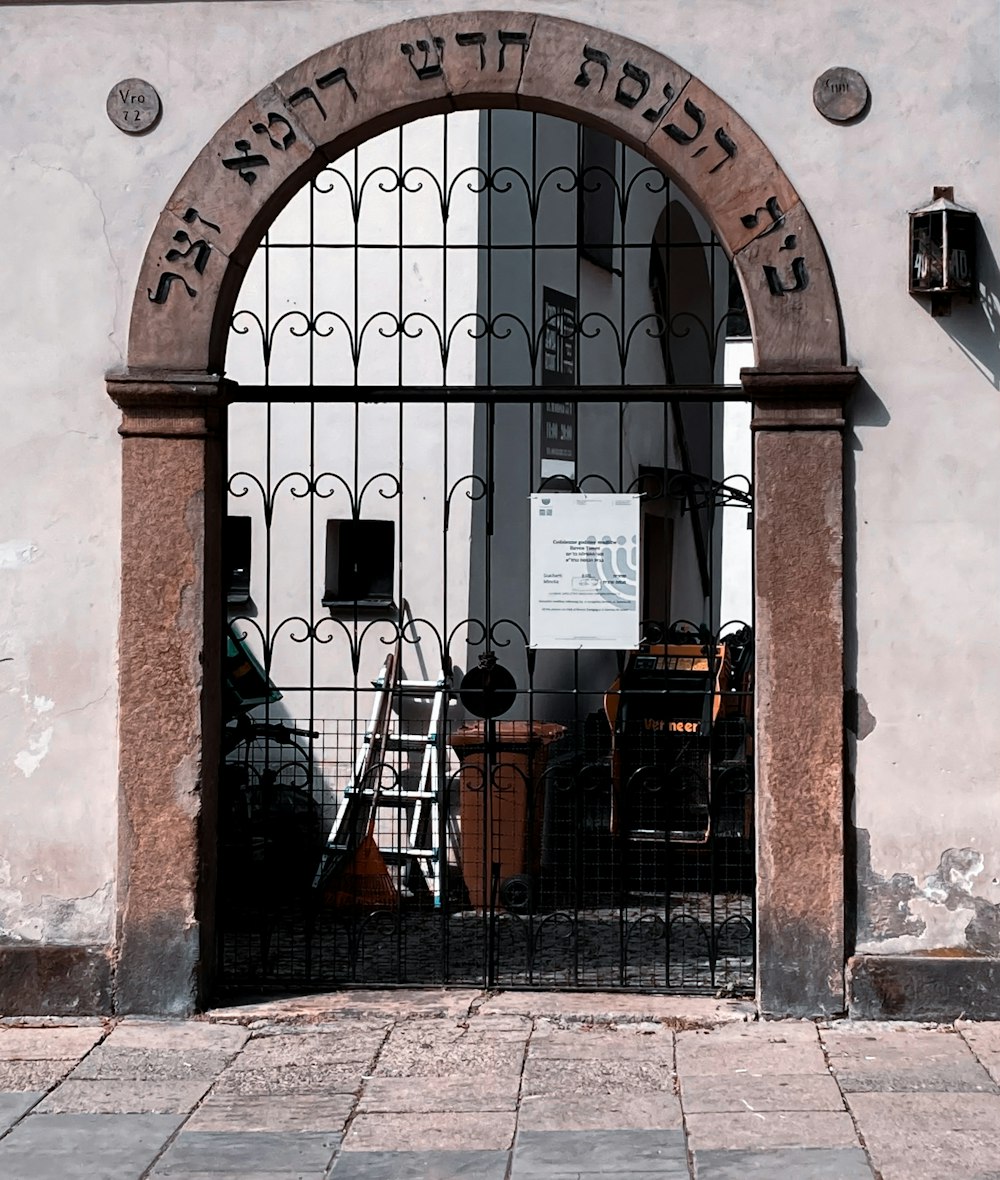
(399, 781)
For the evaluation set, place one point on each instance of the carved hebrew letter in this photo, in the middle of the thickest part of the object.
(772, 209)
(333, 78)
(799, 273)
(428, 69)
(684, 137)
(654, 114)
(201, 250)
(632, 74)
(245, 163)
(167, 280)
(192, 215)
(474, 39)
(596, 55)
(304, 95)
(727, 145)
(286, 140)
(518, 39)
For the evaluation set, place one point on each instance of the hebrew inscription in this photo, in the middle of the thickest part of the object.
(335, 77)
(633, 86)
(246, 162)
(426, 57)
(431, 67)
(167, 279)
(278, 132)
(200, 249)
(772, 209)
(633, 91)
(597, 56)
(800, 272)
(195, 257)
(685, 137)
(800, 275)
(276, 120)
(520, 40)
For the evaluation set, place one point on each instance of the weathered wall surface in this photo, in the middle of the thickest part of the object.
(80, 200)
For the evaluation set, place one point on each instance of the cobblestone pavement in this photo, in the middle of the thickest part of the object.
(517, 1086)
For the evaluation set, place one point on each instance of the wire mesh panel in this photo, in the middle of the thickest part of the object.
(464, 743)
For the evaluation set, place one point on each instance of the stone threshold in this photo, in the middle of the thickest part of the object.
(670, 1011)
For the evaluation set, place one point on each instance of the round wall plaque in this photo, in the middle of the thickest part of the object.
(133, 106)
(841, 94)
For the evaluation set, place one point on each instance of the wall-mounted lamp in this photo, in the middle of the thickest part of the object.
(943, 251)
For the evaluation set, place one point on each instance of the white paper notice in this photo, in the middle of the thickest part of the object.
(584, 570)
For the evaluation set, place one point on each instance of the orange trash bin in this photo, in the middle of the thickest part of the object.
(511, 835)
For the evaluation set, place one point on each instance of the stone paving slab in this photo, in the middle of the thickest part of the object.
(904, 1060)
(352, 1043)
(15, 1106)
(420, 1165)
(64, 1043)
(648, 1042)
(791, 1047)
(287, 1112)
(418, 1097)
(573, 1076)
(107, 1062)
(436, 1131)
(865, 1038)
(84, 1146)
(136, 1032)
(875, 1078)
(415, 1049)
(32, 1075)
(291, 1079)
(788, 1163)
(97, 1096)
(435, 1095)
(584, 1113)
(246, 1152)
(748, 1092)
(930, 1136)
(614, 1007)
(355, 1004)
(313, 1172)
(610, 1153)
(984, 1040)
(754, 1129)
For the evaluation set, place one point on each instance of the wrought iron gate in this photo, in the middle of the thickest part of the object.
(420, 786)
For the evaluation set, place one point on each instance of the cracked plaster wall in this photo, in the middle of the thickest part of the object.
(80, 200)
(956, 906)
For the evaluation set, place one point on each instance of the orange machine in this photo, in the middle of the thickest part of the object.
(677, 721)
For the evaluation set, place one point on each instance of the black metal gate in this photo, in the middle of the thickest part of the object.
(464, 742)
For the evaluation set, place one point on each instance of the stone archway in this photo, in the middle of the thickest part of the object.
(172, 395)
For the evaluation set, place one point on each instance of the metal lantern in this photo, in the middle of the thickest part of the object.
(942, 250)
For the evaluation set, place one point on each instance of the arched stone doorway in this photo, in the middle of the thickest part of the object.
(172, 396)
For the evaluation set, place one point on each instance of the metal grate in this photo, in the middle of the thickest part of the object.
(464, 312)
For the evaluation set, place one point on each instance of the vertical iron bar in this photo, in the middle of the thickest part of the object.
(442, 801)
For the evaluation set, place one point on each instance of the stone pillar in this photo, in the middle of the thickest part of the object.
(169, 672)
(798, 524)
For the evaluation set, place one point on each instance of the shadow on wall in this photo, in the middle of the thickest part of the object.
(975, 327)
(865, 410)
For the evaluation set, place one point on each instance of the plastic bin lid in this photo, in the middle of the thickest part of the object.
(508, 733)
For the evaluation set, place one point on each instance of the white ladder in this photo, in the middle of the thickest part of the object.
(423, 845)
